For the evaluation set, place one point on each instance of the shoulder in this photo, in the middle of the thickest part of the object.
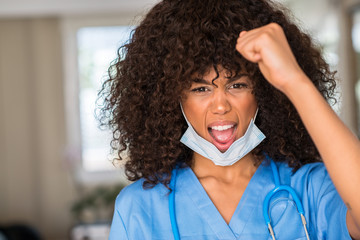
(130, 192)
(135, 196)
(314, 173)
(311, 181)
(134, 211)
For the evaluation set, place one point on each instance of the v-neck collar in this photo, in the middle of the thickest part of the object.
(250, 200)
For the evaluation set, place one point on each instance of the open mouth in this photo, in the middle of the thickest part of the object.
(222, 135)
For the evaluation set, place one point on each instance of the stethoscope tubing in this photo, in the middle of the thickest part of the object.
(172, 211)
(278, 188)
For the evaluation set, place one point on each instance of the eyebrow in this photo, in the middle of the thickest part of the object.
(201, 80)
(238, 76)
(229, 79)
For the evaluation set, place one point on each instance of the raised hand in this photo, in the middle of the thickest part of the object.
(268, 47)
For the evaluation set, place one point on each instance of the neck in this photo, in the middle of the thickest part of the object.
(205, 168)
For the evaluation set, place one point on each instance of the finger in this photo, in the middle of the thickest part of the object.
(242, 34)
(247, 37)
(249, 49)
(252, 56)
(246, 42)
(256, 57)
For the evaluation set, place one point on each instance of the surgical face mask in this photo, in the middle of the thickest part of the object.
(238, 149)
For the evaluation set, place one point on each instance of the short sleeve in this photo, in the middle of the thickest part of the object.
(118, 230)
(132, 218)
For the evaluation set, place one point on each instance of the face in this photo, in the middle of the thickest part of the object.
(220, 114)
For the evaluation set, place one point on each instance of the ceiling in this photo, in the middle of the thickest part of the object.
(312, 18)
(36, 8)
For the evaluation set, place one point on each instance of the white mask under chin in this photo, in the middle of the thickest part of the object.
(238, 149)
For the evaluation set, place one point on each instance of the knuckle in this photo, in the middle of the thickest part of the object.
(267, 35)
(274, 26)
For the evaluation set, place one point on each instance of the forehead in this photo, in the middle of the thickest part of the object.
(215, 70)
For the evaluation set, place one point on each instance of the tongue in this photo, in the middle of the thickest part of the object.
(222, 136)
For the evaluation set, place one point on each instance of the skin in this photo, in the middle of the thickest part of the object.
(338, 146)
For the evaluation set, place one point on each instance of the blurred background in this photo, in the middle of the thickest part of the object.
(57, 180)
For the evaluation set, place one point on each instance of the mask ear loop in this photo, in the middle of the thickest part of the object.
(257, 109)
(254, 118)
(182, 110)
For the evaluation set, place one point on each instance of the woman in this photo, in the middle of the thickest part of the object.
(211, 101)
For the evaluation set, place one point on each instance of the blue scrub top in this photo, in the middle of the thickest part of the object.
(144, 214)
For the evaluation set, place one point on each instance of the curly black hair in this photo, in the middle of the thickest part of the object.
(178, 39)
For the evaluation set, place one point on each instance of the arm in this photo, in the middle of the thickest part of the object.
(338, 147)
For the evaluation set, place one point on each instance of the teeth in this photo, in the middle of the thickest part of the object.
(221, 128)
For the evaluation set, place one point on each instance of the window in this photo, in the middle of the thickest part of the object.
(90, 45)
(322, 23)
(96, 49)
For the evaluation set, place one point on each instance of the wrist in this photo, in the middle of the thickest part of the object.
(298, 85)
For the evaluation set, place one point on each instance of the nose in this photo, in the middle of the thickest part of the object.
(220, 103)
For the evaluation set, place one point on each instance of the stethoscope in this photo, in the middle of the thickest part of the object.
(278, 187)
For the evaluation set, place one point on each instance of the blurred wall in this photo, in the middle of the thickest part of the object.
(347, 65)
(34, 184)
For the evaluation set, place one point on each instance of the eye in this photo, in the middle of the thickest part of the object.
(238, 85)
(199, 89)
